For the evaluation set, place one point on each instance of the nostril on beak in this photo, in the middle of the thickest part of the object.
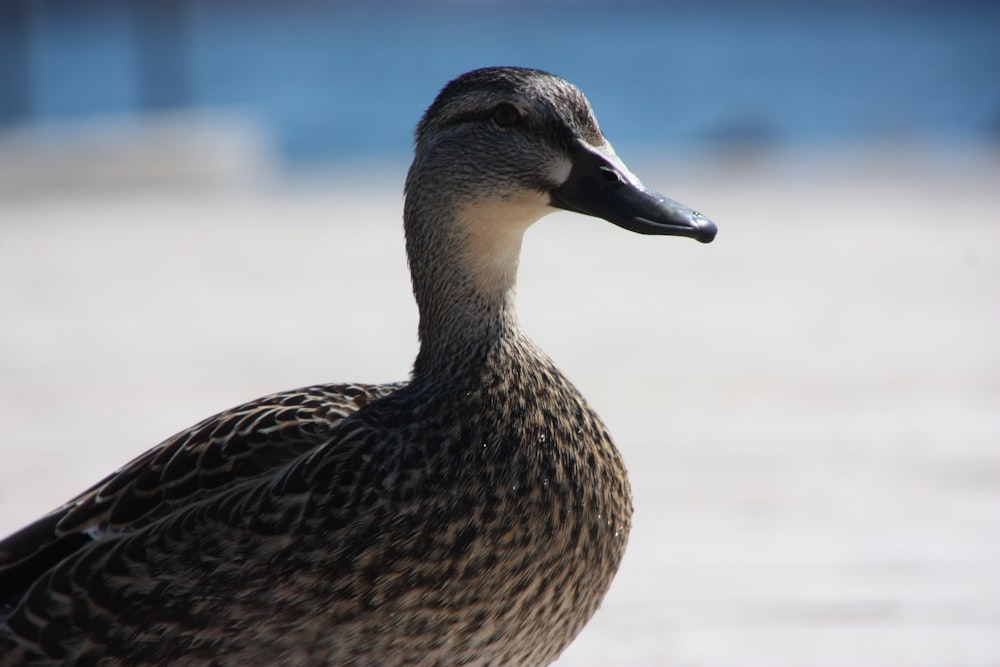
(611, 176)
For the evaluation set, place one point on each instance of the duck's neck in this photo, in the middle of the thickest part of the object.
(463, 263)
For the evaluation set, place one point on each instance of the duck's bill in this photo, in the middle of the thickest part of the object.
(600, 185)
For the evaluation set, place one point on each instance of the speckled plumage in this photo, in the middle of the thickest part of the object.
(474, 515)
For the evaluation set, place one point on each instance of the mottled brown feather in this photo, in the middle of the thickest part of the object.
(216, 454)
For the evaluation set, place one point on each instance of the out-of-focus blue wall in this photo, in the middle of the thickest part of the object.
(341, 80)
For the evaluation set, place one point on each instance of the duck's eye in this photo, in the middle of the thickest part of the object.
(506, 114)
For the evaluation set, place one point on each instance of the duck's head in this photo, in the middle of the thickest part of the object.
(498, 149)
(522, 143)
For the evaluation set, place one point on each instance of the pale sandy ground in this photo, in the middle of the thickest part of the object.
(809, 407)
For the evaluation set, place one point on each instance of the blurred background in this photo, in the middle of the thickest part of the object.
(200, 204)
(344, 81)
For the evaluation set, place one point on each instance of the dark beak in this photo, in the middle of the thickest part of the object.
(601, 186)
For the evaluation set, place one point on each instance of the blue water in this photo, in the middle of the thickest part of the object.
(338, 80)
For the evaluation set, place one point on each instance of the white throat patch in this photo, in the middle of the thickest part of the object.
(491, 230)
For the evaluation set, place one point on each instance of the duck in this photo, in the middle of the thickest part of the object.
(474, 514)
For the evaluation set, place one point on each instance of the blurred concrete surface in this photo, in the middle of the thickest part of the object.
(809, 407)
(201, 149)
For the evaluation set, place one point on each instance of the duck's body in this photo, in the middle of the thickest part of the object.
(473, 515)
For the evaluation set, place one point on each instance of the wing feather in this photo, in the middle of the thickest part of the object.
(214, 455)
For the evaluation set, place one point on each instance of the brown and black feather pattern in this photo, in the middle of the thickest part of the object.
(209, 458)
(422, 504)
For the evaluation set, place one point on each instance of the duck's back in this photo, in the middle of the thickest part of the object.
(220, 455)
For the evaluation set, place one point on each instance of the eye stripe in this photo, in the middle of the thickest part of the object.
(469, 117)
(488, 115)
